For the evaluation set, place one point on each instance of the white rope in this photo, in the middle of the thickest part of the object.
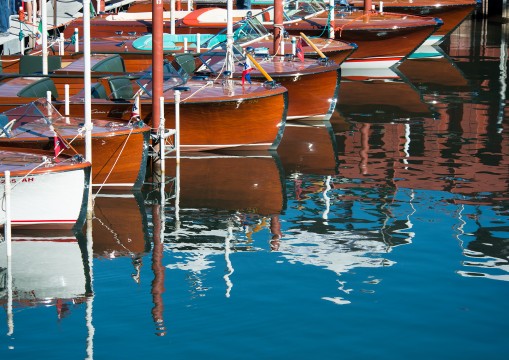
(115, 164)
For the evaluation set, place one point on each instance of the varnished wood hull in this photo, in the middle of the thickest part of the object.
(119, 152)
(115, 164)
(373, 34)
(388, 38)
(452, 12)
(251, 117)
(252, 124)
(312, 95)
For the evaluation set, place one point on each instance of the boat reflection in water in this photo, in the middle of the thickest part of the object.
(53, 268)
(218, 203)
(380, 96)
(120, 225)
(308, 148)
(46, 270)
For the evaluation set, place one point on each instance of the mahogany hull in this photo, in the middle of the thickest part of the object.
(212, 117)
(390, 36)
(312, 95)
(451, 12)
(250, 124)
(118, 160)
(365, 31)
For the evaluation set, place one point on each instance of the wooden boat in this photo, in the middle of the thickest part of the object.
(374, 33)
(119, 149)
(247, 32)
(451, 12)
(210, 110)
(383, 40)
(46, 192)
(313, 85)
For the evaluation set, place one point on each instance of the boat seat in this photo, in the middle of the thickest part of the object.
(29, 64)
(98, 91)
(186, 62)
(121, 87)
(39, 89)
(111, 64)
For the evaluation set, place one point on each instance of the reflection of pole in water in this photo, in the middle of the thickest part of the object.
(364, 148)
(90, 297)
(229, 266)
(275, 230)
(327, 199)
(503, 75)
(10, 319)
(157, 266)
(158, 282)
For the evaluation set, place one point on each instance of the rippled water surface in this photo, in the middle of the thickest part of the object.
(383, 234)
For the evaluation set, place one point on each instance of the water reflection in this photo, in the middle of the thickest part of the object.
(46, 270)
(221, 200)
(380, 96)
(357, 207)
(485, 247)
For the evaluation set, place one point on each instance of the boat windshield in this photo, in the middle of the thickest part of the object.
(293, 10)
(213, 61)
(245, 31)
(172, 77)
(39, 111)
(298, 9)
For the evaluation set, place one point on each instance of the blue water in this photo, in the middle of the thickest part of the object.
(387, 251)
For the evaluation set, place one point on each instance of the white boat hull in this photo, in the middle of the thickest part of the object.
(49, 198)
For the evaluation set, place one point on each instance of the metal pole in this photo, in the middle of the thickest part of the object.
(88, 98)
(278, 24)
(331, 24)
(7, 226)
(66, 89)
(162, 137)
(157, 60)
(44, 20)
(177, 125)
(76, 40)
(229, 38)
(172, 17)
(8, 240)
(61, 48)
